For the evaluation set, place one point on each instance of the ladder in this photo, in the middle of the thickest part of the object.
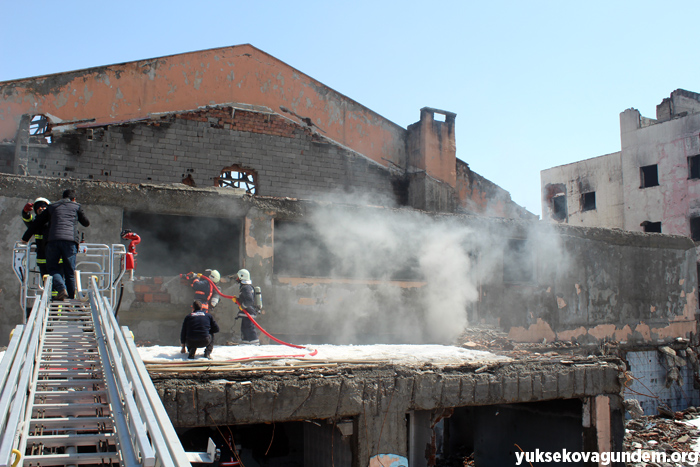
(74, 391)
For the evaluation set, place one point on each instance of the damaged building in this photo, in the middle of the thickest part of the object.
(358, 231)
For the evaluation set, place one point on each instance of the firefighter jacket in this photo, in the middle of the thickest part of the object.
(40, 236)
(198, 325)
(204, 292)
(246, 297)
(63, 216)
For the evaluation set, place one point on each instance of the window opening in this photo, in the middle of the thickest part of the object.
(695, 228)
(694, 166)
(588, 201)
(38, 125)
(238, 177)
(651, 227)
(559, 207)
(650, 176)
(171, 245)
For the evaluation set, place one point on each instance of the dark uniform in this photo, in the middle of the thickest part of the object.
(62, 242)
(204, 292)
(198, 331)
(246, 297)
(29, 214)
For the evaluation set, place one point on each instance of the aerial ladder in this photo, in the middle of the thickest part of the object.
(73, 388)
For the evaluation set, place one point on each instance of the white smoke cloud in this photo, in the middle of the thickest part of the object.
(410, 275)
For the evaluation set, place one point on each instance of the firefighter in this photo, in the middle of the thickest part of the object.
(246, 297)
(204, 291)
(198, 331)
(62, 242)
(29, 213)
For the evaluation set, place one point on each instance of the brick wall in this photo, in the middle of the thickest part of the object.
(289, 159)
(150, 290)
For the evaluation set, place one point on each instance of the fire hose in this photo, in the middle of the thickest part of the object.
(241, 308)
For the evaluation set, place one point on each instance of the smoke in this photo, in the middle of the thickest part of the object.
(400, 275)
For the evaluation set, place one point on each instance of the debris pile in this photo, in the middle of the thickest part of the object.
(668, 432)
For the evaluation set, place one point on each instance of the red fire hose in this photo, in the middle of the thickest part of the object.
(238, 304)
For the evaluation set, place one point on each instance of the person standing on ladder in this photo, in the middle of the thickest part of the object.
(62, 243)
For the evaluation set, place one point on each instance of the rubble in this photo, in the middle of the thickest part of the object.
(668, 432)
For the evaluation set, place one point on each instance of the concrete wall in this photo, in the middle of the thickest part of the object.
(602, 175)
(240, 73)
(480, 196)
(105, 102)
(667, 144)
(378, 399)
(621, 200)
(564, 283)
(609, 285)
(197, 146)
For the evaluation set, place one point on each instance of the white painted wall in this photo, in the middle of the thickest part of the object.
(668, 144)
(601, 174)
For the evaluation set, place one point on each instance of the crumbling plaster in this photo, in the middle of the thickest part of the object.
(668, 145)
(607, 284)
(241, 73)
(379, 397)
(602, 175)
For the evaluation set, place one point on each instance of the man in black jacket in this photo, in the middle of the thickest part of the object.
(198, 331)
(62, 242)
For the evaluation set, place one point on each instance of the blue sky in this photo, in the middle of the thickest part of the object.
(534, 84)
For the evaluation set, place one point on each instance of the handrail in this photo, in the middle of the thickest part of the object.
(121, 399)
(144, 431)
(137, 386)
(14, 397)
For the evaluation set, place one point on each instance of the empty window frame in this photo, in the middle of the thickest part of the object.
(238, 177)
(38, 125)
(649, 176)
(559, 207)
(695, 228)
(651, 227)
(518, 262)
(694, 167)
(588, 201)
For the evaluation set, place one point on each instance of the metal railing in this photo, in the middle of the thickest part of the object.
(152, 433)
(145, 434)
(20, 357)
(93, 259)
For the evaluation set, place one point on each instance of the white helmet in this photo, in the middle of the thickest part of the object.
(42, 200)
(214, 276)
(243, 275)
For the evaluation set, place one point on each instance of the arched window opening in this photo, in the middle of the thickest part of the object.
(238, 177)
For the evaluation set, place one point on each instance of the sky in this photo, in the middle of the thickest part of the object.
(534, 84)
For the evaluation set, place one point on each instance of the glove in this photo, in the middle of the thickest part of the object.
(28, 207)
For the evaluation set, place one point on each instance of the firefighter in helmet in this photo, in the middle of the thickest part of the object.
(246, 297)
(29, 214)
(204, 290)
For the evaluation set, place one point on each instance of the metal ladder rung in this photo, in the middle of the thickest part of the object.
(82, 458)
(69, 423)
(78, 397)
(65, 373)
(68, 410)
(53, 441)
(68, 382)
(68, 363)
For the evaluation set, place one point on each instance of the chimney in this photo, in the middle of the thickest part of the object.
(432, 147)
